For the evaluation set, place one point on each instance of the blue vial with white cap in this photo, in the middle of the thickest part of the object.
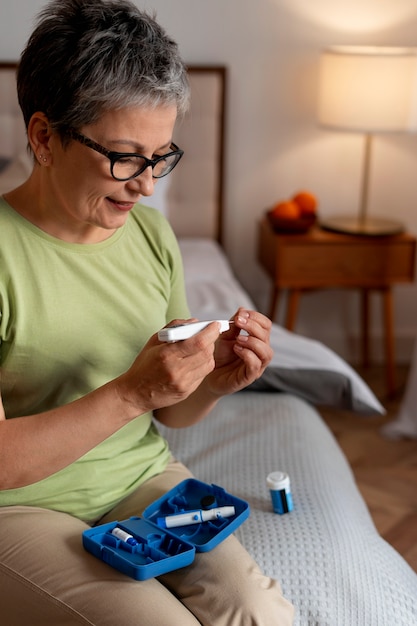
(279, 487)
(124, 536)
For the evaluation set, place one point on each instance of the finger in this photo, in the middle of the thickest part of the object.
(254, 350)
(2, 413)
(179, 321)
(254, 323)
(200, 342)
(197, 348)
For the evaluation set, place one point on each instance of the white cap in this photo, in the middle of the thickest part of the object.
(277, 481)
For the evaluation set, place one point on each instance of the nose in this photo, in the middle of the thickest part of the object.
(144, 183)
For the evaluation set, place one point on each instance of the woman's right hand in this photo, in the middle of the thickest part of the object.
(166, 373)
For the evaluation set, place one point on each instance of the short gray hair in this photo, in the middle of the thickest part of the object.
(86, 57)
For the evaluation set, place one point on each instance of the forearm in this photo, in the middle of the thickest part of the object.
(190, 411)
(36, 446)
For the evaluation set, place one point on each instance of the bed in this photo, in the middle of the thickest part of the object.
(327, 554)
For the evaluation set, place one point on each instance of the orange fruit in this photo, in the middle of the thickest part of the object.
(287, 210)
(307, 202)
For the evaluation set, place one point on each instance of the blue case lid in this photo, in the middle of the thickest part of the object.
(151, 549)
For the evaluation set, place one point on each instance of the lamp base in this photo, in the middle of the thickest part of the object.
(370, 227)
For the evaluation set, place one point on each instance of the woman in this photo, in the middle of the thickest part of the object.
(88, 277)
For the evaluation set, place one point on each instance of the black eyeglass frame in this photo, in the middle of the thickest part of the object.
(115, 156)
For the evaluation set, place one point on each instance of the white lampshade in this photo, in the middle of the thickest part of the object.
(368, 89)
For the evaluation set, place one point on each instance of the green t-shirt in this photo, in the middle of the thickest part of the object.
(73, 317)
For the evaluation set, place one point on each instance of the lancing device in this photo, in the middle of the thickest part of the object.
(124, 536)
(184, 331)
(195, 517)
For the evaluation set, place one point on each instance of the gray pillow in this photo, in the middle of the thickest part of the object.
(301, 366)
(307, 368)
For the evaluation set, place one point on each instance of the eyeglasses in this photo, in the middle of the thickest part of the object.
(128, 165)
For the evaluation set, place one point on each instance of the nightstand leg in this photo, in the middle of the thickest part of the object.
(274, 303)
(292, 308)
(389, 338)
(365, 327)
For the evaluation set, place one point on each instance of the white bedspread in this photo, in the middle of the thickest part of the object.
(327, 554)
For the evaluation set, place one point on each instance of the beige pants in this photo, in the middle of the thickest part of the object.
(47, 578)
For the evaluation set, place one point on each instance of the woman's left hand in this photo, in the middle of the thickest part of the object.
(241, 357)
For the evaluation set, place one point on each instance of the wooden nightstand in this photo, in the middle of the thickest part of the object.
(322, 259)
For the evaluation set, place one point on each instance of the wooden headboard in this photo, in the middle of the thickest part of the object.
(196, 196)
(12, 128)
(193, 193)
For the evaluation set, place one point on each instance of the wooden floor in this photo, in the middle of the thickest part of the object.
(385, 470)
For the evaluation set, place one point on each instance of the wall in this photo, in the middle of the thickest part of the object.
(271, 48)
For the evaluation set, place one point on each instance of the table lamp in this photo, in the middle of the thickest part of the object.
(367, 89)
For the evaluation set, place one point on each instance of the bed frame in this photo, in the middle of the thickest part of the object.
(12, 128)
(196, 196)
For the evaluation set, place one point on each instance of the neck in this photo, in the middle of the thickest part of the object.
(32, 203)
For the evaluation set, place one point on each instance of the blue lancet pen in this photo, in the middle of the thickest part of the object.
(195, 517)
(124, 536)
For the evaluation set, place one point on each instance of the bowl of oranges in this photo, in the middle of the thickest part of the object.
(296, 215)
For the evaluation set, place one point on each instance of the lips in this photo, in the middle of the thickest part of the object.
(120, 205)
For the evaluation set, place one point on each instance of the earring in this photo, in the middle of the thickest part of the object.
(43, 157)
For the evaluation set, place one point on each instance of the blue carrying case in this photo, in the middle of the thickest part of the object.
(159, 550)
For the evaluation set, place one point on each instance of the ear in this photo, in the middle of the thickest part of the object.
(39, 135)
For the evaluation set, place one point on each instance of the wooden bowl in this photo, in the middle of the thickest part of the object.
(299, 225)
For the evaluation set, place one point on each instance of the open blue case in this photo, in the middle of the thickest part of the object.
(161, 550)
